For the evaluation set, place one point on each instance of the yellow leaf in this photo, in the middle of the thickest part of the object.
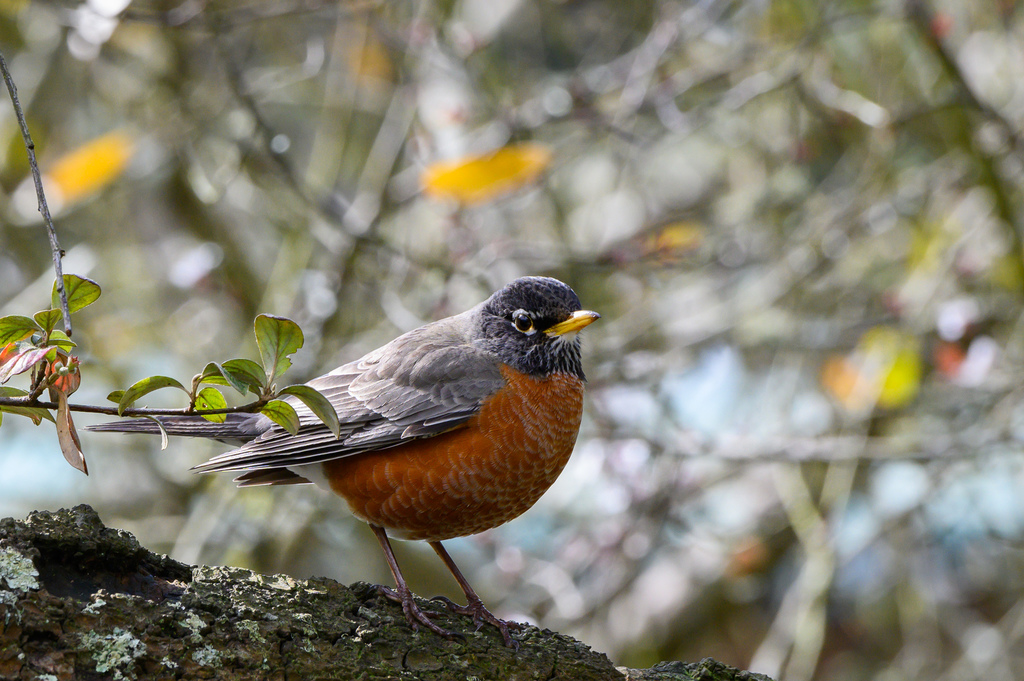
(1006, 272)
(901, 383)
(674, 240)
(367, 57)
(840, 378)
(476, 179)
(90, 167)
(884, 370)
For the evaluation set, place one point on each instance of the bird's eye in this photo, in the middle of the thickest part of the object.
(522, 321)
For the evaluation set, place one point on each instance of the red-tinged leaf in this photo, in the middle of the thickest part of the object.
(7, 352)
(22, 361)
(211, 398)
(283, 414)
(48, 319)
(17, 327)
(70, 445)
(318, 404)
(277, 338)
(144, 387)
(80, 292)
(69, 377)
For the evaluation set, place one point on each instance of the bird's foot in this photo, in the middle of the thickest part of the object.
(413, 614)
(480, 615)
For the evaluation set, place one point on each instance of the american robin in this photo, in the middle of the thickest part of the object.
(448, 430)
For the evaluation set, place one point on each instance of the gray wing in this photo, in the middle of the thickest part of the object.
(423, 383)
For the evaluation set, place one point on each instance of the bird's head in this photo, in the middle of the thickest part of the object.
(533, 323)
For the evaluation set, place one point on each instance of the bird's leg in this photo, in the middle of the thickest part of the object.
(474, 606)
(402, 594)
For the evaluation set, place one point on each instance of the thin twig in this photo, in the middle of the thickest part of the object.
(923, 17)
(25, 402)
(44, 209)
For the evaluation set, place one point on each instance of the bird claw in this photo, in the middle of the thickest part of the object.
(413, 614)
(482, 615)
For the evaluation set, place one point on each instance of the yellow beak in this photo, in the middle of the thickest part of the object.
(578, 320)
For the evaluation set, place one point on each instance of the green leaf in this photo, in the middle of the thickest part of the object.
(214, 374)
(115, 396)
(37, 414)
(283, 414)
(277, 339)
(48, 319)
(1, 409)
(318, 404)
(17, 327)
(80, 291)
(240, 374)
(246, 371)
(61, 340)
(144, 387)
(211, 398)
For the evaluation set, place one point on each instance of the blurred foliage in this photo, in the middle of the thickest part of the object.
(801, 221)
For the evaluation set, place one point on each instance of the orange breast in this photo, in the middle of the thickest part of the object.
(476, 477)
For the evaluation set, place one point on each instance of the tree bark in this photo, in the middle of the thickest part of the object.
(82, 601)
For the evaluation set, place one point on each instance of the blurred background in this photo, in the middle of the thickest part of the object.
(803, 448)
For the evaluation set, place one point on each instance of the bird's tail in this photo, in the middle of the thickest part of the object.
(236, 428)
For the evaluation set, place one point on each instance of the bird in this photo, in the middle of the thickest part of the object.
(451, 429)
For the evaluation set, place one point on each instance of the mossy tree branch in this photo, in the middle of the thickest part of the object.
(78, 600)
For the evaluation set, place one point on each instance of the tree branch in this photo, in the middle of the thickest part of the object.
(44, 209)
(79, 600)
(30, 401)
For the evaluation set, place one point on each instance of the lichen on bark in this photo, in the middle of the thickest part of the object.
(80, 600)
